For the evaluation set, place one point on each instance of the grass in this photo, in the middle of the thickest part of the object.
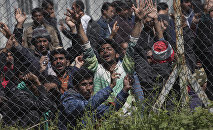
(183, 118)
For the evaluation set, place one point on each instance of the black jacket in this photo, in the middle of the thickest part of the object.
(189, 46)
(204, 40)
(157, 74)
(20, 102)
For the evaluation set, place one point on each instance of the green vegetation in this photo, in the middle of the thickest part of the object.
(184, 119)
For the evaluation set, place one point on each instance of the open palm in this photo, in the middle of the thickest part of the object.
(20, 17)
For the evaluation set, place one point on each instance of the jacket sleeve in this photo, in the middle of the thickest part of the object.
(26, 57)
(91, 62)
(137, 89)
(42, 103)
(189, 45)
(75, 106)
(93, 33)
(68, 34)
(203, 40)
(54, 38)
(25, 43)
(128, 61)
(18, 32)
(120, 99)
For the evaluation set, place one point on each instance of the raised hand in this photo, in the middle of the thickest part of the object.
(31, 77)
(75, 17)
(79, 61)
(114, 77)
(114, 30)
(141, 10)
(163, 24)
(52, 15)
(20, 16)
(153, 10)
(43, 63)
(69, 20)
(62, 27)
(5, 30)
(127, 83)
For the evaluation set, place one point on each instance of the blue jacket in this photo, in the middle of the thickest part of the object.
(105, 33)
(75, 105)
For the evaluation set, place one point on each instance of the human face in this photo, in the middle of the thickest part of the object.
(109, 13)
(108, 54)
(10, 58)
(208, 5)
(186, 5)
(49, 9)
(85, 88)
(42, 45)
(38, 17)
(167, 11)
(124, 47)
(124, 13)
(75, 8)
(59, 63)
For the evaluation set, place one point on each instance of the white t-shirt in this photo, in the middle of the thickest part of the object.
(85, 20)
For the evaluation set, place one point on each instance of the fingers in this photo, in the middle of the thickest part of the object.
(2, 25)
(69, 11)
(115, 26)
(26, 76)
(151, 3)
(133, 7)
(155, 5)
(24, 14)
(137, 3)
(44, 60)
(61, 23)
(126, 77)
(141, 4)
(81, 14)
(12, 37)
(79, 59)
(18, 11)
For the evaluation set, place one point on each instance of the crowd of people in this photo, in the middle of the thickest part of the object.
(121, 59)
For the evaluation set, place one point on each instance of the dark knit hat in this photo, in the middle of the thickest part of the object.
(40, 33)
(162, 51)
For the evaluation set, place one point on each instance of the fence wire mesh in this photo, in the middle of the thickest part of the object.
(70, 63)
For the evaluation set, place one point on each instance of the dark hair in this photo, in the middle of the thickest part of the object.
(162, 6)
(81, 75)
(185, 1)
(114, 45)
(45, 3)
(52, 79)
(34, 41)
(35, 10)
(40, 33)
(80, 4)
(119, 6)
(58, 51)
(105, 7)
(129, 3)
(197, 6)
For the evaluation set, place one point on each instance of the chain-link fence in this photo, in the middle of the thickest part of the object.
(75, 64)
